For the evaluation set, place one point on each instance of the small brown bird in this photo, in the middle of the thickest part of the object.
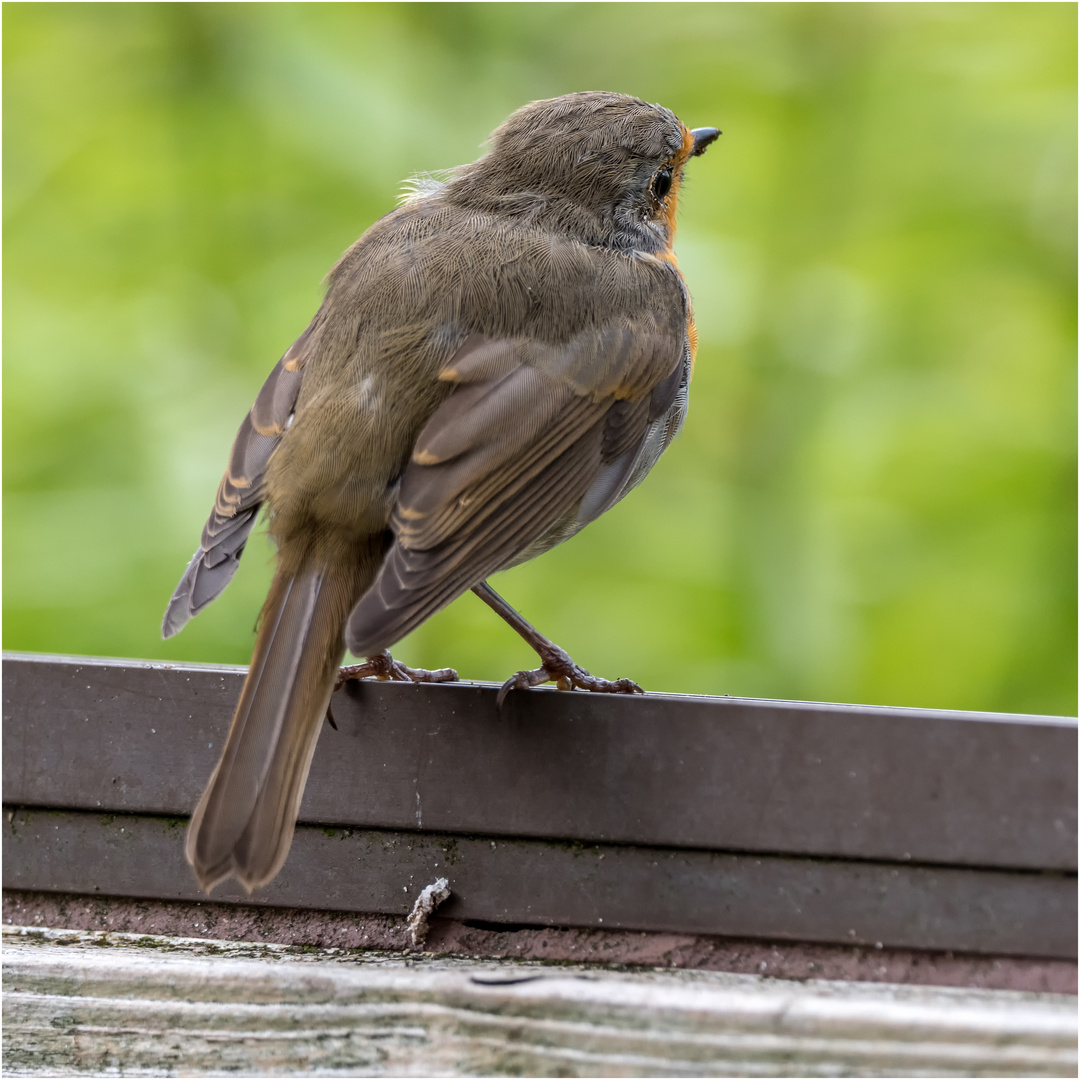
(496, 363)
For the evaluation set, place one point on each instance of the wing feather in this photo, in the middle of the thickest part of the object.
(532, 435)
(414, 584)
(240, 492)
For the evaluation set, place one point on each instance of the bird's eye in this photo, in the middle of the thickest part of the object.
(661, 184)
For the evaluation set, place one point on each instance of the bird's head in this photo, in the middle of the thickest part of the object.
(606, 166)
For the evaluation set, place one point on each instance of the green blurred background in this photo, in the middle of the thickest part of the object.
(874, 498)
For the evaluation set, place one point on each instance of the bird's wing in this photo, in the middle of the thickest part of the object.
(241, 490)
(532, 435)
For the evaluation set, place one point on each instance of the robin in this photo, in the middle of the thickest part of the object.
(495, 364)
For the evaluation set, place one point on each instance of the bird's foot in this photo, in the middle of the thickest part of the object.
(385, 667)
(559, 668)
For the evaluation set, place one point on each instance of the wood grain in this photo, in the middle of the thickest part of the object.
(91, 1003)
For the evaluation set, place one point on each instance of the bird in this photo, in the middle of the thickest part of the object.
(495, 364)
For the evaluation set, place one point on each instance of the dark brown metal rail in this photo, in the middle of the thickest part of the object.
(777, 820)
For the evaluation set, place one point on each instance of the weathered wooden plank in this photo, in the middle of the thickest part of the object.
(513, 881)
(93, 1003)
(229, 922)
(719, 773)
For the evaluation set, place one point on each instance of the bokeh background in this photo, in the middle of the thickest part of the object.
(874, 498)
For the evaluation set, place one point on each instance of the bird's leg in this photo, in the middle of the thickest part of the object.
(556, 664)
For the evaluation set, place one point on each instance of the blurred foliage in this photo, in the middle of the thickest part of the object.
(874, 497)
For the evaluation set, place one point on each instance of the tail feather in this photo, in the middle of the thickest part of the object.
(244, 823)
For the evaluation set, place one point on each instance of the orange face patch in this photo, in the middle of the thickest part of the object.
(687, 150)
(671, 203)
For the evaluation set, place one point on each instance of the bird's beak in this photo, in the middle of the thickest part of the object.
(702, 138)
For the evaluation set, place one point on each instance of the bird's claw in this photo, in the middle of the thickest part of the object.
(384, 667)
(559, 668)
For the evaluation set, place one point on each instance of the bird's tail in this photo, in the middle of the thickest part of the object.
(244, 822)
